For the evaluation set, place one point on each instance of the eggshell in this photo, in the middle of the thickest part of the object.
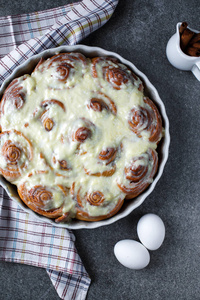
(151, 231)
(132, 254)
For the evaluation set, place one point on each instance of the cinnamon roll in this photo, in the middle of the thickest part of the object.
(40, 199)
(139, 174)
(117, 75)
(146, 119)
(14, 96)
(16, 152)
(63, 68)
(89, 201)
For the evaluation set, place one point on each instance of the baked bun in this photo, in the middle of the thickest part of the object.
(78, 137)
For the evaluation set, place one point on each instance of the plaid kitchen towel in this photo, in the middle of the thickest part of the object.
(23, 238)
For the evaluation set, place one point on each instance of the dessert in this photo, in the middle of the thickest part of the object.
(78, 137)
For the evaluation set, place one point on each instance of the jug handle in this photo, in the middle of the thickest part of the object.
(196, 70)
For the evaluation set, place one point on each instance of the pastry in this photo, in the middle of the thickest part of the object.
(78, 137)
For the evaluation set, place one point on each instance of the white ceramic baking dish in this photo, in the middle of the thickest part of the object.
(163, 148)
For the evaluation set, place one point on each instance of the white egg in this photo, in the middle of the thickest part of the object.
(151, 231)
(132, 254)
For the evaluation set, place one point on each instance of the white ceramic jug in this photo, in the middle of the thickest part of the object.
(178, 58)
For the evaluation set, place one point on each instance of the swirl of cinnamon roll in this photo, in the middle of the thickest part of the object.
(61, 166)
(63, 66)
(105, 163)
(116, 74)
(101, 60)
(108, 155)
(97, 199)
(139, 174)
(40, 198)
(81, 134)
(16, 153)
(14, 95)
(48, 123)
(62, 71)
(46, 120)
(102, 101)
(146, 118)
(82, 130)
(11, 152)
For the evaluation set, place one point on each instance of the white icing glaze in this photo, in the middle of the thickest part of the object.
(108, 129)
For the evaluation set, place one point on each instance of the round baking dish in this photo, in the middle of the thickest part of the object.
(163, 148)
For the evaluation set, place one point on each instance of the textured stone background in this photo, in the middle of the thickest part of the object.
(139, 31)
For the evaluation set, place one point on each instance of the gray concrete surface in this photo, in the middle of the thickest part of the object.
(139, 31)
